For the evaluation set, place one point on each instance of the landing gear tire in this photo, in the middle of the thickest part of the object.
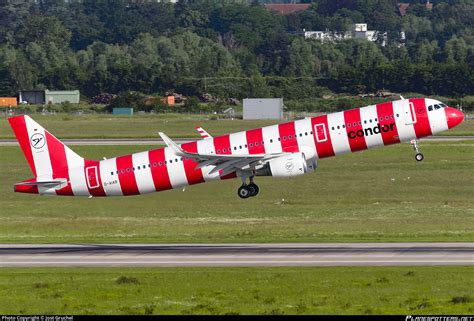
(419, 157)
(243, 192)
(253, 189)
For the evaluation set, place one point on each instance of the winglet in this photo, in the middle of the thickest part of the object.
(171, 144)
(402, 98)
(204, 134)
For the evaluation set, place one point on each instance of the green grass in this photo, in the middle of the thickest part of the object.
(138, 126)
(377, 195)
(322, 290)
(147, 126)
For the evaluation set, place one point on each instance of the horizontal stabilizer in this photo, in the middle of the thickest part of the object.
(38, 187)
(46, 183)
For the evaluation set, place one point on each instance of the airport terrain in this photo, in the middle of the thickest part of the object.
(275, 290)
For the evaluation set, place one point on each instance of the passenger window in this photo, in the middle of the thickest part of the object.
(271, 140)
(251, 145)
(112, 173)
(128, 170)
(123, 171)
(256, 144)
(349, 125)
(154, 164)
(386, 117)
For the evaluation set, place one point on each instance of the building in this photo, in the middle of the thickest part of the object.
(32, 97)
(403, 7)
(263, 108)
(287, 8)
(41, 97)
(8, 101)
(358, 31)
(62, 96)
(326, 36)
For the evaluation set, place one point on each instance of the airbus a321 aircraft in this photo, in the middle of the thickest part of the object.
(283, 150)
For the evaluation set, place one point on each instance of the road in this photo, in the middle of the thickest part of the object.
(159, 141)
(315, 254)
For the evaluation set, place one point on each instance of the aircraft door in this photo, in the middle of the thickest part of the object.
(320, 131)
(92, 178)
(410, 115)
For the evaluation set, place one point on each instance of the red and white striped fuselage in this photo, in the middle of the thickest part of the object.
(162, 169)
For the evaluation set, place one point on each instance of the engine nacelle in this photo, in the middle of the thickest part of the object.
(290, 165)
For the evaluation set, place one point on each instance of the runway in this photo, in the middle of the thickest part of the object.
(312, 254)
(159, 141)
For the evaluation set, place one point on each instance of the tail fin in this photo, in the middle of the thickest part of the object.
(47, 156)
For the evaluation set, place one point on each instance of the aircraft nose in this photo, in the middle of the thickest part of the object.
(454, 116)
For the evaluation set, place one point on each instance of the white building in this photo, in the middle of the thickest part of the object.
(359, 31)
(263, 108)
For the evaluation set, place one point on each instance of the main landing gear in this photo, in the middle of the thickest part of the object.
(248, 190)
(419, 156)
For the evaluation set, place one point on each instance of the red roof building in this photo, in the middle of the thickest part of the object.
(289, 8)
(402, 8)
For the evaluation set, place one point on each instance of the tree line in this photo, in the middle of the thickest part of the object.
(234, 48)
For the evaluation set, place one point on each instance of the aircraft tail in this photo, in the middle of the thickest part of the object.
(48, 157)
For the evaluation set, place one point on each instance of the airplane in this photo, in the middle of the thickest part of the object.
(282, 150)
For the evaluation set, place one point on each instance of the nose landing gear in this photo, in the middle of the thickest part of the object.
(248, 190)
(419, 156)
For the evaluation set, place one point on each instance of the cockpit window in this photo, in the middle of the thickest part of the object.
(436, 106)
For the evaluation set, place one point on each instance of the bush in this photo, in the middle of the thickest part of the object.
(127, 280)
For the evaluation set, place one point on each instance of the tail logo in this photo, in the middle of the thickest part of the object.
(37, 141)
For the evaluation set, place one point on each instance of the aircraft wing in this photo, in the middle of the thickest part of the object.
(225, 162)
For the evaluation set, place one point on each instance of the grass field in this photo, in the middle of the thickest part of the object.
(147, 126)
(331, 290)
(377, 195)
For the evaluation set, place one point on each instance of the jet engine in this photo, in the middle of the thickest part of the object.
(290, 165)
